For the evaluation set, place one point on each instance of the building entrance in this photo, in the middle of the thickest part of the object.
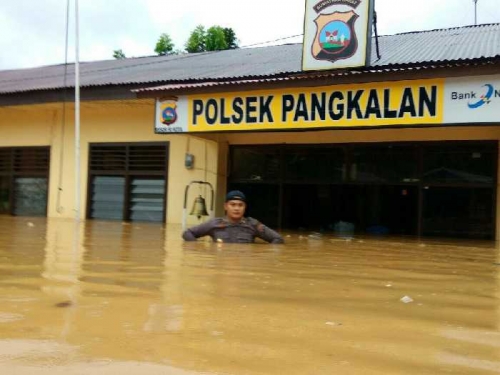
(374, 208)
(432, 189)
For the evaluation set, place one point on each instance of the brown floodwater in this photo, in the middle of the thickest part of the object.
(109, 297)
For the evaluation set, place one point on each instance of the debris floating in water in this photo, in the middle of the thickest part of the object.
(406, 299)
(64, 304)
(333, 323)
(315, 236)
(30, 224)
(9, 318)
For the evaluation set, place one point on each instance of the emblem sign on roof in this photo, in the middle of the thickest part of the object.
(337, 34)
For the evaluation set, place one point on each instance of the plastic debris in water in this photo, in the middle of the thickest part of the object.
(406, 299)
(30, 224)
(8, 318)
(219, 240)
(315, 236)
(64, 304)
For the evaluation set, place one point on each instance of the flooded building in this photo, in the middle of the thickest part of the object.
(406, 146)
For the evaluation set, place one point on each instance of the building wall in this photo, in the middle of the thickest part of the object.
(104, 122)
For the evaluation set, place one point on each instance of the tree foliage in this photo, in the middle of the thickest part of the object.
(164, 45)
(119, 54)
(230, 36)
(197, 40)
(215, 39)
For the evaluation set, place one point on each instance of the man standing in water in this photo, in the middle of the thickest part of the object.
(235, 227)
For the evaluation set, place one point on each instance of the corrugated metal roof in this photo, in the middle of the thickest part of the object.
(470, 42)
(315, 76)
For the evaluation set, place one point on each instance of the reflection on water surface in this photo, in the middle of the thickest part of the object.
(106, 297)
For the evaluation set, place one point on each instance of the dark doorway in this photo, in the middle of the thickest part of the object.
(388, 209)
(263, 202)
(458, 212)
(372, 209)
(408, 188)
(316, 207)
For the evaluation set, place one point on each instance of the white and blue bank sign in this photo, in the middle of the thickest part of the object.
(472, 100)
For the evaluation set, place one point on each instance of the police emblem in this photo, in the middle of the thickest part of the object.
(168, 112)
(335, 36)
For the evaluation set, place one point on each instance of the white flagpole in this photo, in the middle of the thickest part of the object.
(77, 117)
(475, 12)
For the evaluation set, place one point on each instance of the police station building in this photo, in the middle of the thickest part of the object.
(404, 145)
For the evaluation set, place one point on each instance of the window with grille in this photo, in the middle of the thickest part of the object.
(128, 181)
(24, 175)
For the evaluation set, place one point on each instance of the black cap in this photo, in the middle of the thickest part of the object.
(236, 195)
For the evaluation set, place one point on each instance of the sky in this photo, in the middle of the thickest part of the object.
(32, 32)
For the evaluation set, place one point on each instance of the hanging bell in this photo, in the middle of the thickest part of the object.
(199, 207)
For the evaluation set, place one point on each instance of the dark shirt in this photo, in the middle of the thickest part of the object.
(222, 230)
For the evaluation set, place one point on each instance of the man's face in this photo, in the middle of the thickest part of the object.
(235, 209)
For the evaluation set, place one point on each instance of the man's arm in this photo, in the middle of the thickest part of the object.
(267, 234)
(191, 234)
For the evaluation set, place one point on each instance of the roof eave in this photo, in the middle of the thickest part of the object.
(357, 75)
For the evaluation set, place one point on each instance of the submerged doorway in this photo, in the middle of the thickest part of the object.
(375, 208)
(434, 189)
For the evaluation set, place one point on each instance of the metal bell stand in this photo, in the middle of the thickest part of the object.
(184, 212)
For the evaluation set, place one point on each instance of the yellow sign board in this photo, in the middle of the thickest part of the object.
(354, 105)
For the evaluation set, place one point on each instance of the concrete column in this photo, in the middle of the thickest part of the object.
(222, 162)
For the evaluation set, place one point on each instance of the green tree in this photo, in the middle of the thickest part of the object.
(119, 54)
(230, 36)
(197, 39)
(215, 39)
(165, 45)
